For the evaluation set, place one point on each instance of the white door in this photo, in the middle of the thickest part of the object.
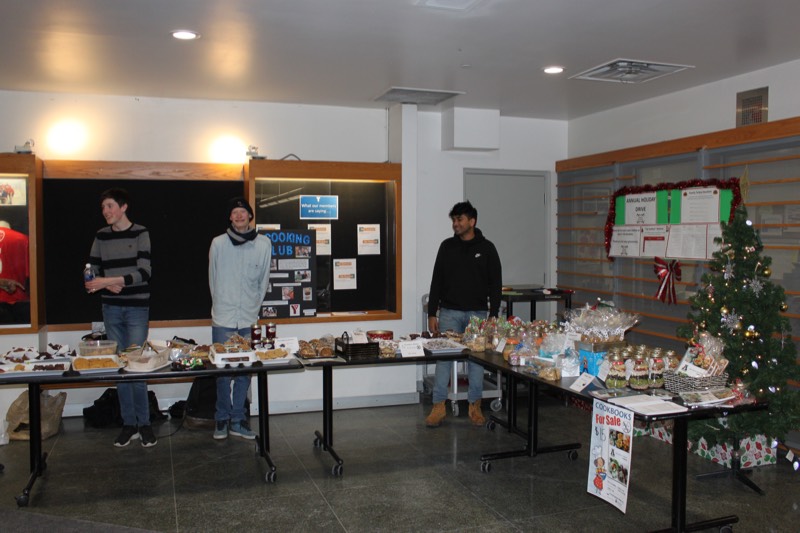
(513, 214)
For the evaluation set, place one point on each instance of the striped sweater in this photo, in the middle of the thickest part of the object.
(127, 254)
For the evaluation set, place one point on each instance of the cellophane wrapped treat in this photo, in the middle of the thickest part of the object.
(599, 323)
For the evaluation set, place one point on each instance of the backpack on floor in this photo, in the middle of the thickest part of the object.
(201, 404)
(104, 412)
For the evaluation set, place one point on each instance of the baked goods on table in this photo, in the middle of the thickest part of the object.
(147, 358)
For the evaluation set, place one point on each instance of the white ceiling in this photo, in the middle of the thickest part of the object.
(348, 52)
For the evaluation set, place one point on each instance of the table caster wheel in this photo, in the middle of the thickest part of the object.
(271, 476)
(496, 405)
(726, 529)
(572, 454)
(22, 500)
(317, 442)
(455, 408)
(486, 466)
(337, 470)
(490, 425)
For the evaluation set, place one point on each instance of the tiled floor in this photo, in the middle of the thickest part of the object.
(398, 476)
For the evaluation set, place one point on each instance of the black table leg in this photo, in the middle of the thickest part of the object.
(263, 426)
(531, 436)
(38, 460)
(679, 466)
(325, 439)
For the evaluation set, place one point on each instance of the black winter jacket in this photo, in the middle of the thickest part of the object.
(466, 275)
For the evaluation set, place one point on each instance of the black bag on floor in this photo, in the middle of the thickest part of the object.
(201, 404)
(105, 410)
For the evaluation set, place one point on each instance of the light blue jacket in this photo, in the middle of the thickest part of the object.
(238, 277)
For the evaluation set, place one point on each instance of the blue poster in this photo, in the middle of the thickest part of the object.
(319, 207)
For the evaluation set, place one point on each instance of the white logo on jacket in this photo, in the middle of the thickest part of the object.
(477, 255)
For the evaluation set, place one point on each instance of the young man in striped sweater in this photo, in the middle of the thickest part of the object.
(120, 257)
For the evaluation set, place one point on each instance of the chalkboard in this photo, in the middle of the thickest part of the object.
(183, 216)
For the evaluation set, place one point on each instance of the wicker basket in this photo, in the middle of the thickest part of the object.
(351, 350)
(676, 383)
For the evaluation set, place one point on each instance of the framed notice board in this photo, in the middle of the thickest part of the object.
(182, 216)
(354, 212)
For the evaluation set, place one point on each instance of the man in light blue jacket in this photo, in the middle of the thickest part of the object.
(238, 276)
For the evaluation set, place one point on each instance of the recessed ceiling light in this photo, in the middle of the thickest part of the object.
(554, 69)
(185, 35)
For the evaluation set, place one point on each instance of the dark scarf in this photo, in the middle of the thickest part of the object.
(240, 238)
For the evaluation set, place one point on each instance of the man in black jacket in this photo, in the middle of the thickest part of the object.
(467, 280)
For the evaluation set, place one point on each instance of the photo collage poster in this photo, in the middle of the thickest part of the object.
(292, 288)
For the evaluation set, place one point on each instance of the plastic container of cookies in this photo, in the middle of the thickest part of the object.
(92, 348)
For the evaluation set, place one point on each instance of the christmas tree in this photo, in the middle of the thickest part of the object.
(739, 304)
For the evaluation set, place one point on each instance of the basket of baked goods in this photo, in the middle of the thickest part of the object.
(149, 358)
(316, 348)
(236, 351)
(348, 349)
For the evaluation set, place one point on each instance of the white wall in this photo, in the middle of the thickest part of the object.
(525, 144)
(703, 109)
(146, 129)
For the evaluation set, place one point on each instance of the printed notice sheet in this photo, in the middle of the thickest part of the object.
(610, 461)
(625, 241)
(640, 208)
(654, 240)
(700, 204)
(369, 239)
(714, 232)
(688, 241)
(323, 238)
(344, 274)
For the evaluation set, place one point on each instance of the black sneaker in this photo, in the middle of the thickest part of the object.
(221, 431)
(128, 434)
(148, 437)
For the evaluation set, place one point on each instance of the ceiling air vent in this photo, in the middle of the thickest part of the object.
(407, 95)
(752, 106)
(629, 71)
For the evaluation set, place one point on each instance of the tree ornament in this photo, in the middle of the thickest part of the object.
(756, 286)
(784, 306)
(767, 272)
(728, 274)
(723, 310)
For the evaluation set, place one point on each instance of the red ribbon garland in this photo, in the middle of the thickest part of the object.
(668, 272)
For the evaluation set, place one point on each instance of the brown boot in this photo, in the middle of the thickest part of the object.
(475, 415)
(437, 415)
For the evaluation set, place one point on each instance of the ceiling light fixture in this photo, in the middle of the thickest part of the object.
(553, 69)
(185, 35)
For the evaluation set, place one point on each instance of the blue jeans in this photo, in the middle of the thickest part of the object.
(127, 326)
(227, 407)
(457, 321)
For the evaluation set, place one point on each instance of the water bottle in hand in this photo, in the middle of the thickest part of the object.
(88, 274)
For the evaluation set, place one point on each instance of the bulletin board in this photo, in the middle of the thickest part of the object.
(673, 220)
(354, 274)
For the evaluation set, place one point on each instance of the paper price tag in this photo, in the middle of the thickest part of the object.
(290, 344)
(582, 382)
(602, 374)
(359, 337)
(500, 346)
(569, 343)
(411, 349)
